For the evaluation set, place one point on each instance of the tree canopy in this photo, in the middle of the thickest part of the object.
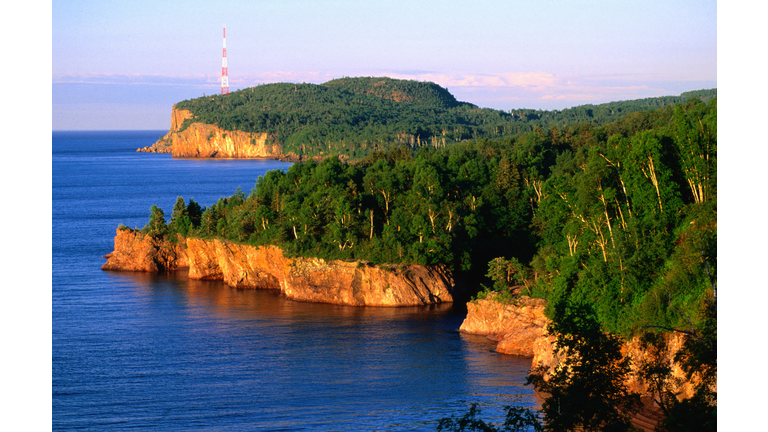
(622, 216)
(615, 225)
(354, 117)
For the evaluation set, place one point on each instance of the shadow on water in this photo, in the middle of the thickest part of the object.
(161, 352)
(242, 303)
(305, 354)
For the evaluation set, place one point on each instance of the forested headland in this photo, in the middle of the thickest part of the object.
(622, 216)
(614, 222)
(353, 117)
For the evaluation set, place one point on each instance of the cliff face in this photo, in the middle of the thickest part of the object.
(362, 284)
(138, 252)
(201, 140)
(302, 279)
(239, 266)
(516, 327)
(520, 328)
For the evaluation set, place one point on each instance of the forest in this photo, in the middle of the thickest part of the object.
(621, 216)
(354, 117)
(615, 224)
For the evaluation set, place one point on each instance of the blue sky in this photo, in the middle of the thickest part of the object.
(123, 64)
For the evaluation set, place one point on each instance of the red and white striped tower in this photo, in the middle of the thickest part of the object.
(224, 75)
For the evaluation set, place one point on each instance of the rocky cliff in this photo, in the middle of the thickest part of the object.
(135, 251)
(516, 327)
(520, 329)
(200, 140)
(266, 267)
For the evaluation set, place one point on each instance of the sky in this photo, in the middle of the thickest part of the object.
(123, 64)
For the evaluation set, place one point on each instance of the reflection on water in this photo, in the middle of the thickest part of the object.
(320, 363)
(161, 352)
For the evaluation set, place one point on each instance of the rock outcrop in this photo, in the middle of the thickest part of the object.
(516, 327)
(520, 329)
(135, 251)
(200, 140)
(266, 267)
(364, 284)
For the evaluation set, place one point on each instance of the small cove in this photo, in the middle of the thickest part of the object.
(161, 352)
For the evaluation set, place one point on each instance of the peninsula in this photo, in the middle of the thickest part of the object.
(353, 117)
(610, 224)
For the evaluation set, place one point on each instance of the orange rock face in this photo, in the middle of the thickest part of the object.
(302, 279)
(200, 140)
(516, 326)
(135, 251)
(520, 329)
(239, 266)
(363, 284)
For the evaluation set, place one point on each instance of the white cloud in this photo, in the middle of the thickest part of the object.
(537, 89)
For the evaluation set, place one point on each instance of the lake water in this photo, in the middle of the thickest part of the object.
(135, 351)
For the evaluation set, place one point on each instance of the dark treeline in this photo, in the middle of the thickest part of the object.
(621, 216)
(354, 117)
(603, 113)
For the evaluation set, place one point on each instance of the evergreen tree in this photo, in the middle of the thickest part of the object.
(180, 220)
(586, 390)
(156, 225)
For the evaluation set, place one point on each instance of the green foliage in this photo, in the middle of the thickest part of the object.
(586, 390)
(355, 117)
(396, 208)
(194, 212)
(180, 220)
(621, 229)
(517, 420)
(698, 361)
(408, 91)
(156, 225)
(185, 220)
(505, 273)
(615, 224)
(621, 216)
(626, 222)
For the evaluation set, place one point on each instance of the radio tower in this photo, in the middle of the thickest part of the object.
(224, 75)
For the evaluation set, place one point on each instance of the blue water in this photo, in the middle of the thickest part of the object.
(135, 351)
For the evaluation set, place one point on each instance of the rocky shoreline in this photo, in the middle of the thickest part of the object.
(519, 327)
(200, 140)
(355, 283)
